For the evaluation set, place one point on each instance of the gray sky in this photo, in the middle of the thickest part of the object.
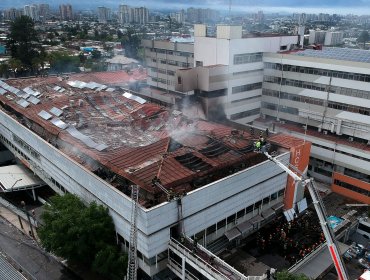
(290, 6)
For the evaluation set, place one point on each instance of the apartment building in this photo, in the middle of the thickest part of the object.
(323, 96)
(96, 141)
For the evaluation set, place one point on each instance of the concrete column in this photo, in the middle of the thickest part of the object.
(34, 194)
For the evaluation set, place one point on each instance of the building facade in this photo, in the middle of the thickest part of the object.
(324, 95)
(244, 188)
(66, 12)
(104, 14)
(163, 58)
(232, 70)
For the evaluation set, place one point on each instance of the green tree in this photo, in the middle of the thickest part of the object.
(23, 41)
(363, 38)
(111, 263)
(285, 275)
(75, 231)
(131, 42)
(62, 62)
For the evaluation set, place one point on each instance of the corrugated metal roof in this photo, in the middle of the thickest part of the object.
(18, 177)
(8, 272)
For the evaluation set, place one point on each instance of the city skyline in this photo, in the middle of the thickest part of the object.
(359, 7)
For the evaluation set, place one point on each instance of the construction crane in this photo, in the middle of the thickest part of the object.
(132, 253)
(321, 213)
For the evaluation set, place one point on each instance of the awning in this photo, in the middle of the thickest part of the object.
(232, 233)
(256, 219)
(277, 207)
(268, 213)
(245, 227)
(18, 177)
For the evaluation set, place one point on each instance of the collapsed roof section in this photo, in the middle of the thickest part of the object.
(123, 135)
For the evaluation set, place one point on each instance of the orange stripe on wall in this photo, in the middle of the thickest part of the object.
(348, 193)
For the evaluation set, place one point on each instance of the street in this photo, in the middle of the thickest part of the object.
(28, 256)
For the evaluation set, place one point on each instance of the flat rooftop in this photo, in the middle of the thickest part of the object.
(126, 140)
(336, 53)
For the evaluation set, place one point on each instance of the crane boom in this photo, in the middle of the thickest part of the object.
(321, 213)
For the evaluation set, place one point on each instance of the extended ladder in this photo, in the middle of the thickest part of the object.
(132, 254)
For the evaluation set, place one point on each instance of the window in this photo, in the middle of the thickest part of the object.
(245, 114)
(199, 63)
(248, 87)
(247, 58)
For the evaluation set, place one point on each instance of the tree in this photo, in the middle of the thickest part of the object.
(111, 263)
(81, 234)
(364, 37)
(23, 41)
(285, 275)
(62, 62)
(131, 43)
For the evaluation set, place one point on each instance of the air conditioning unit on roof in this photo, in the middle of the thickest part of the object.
(350, 139)
(325, 132)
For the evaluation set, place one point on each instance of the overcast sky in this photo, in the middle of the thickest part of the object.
(290, 6)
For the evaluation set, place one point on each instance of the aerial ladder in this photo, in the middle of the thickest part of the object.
(132, 253)
(321, 213)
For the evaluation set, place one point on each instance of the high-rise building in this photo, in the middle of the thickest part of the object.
(66, 12)
(141, 15)
(333, 38)
(104, 14)
(317, 37)
(198, 15)
(31, 11)
(125, 14)
(12, 14)
(44, 11)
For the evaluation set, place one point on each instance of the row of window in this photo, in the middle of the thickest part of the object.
(315, 86)
(317, 101)
(169, 52)
(27, 147)
(294, 83)
(247, 58)
(351, 187)
(173, 62)
(341, 152)
(319, 72)
(281, 108)
(240, 214)
(245, 114)
(258, 71)
(163, 71)
(163, 81)
(4, 140)
(248, 87)
(293, 97)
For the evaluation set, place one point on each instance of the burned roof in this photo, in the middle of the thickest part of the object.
(128, 138)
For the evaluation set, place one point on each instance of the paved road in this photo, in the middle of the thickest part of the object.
(28, 256)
